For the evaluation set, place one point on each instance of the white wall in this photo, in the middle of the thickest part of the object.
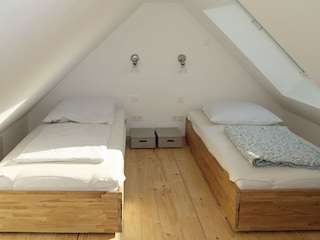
(158, 32)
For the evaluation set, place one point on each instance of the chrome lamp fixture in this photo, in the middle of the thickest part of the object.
(135, 59)
(182, 59)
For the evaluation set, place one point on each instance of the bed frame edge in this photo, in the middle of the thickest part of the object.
(256, 210)
(60, 211)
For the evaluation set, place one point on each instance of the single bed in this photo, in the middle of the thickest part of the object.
(251, 198)
(67, 174)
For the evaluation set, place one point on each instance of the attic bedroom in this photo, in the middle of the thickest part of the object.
(53, 50)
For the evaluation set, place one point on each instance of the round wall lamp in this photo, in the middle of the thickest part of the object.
(182, 59)
(134, 58)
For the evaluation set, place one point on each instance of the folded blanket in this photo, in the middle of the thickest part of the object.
(266, 146)
(68, 142)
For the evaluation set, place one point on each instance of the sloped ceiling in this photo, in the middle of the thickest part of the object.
(42, 40)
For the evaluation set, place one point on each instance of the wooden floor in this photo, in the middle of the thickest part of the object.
(166, 197)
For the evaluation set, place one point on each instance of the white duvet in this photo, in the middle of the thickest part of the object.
(68, 142)
(107, 175)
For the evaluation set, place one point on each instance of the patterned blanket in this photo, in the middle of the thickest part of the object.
(267, 146)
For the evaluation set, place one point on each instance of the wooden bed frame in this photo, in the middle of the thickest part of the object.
(60, 212)
(256, 210)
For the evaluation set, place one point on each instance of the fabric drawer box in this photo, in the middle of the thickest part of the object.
(169, 138)
(142, 138)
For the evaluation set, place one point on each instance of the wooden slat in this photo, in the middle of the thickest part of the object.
(96, 236)
(33, 211)
(58, 236)
(280, 209)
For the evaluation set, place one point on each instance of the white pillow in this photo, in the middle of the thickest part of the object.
(83, 110)
(239, 112)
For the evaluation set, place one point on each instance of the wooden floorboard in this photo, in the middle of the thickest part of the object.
(166, 197)
(181, 205)
(60, 236)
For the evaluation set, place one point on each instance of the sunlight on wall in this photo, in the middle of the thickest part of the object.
(7, 113)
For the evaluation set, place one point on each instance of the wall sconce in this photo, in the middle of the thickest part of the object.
(182, 60)
(135, 59)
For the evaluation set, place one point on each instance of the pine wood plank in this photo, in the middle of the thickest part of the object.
(38, 236)
(149, 217)
(15, 236)
(57, 236)
(97, 236)
(212, 220)
(65, 212)
(131, 212)
(281, 209)
(177, 211)
(308, 235)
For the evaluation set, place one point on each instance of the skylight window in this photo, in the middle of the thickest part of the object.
(265, 53)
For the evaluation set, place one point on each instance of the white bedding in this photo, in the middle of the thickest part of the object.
(243, 173)
(67, 142)
(106, 175)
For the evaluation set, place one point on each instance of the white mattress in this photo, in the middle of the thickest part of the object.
(58, 176)
(241, 172)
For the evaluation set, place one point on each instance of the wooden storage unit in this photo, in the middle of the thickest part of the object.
(256, 210)
(142, 138)
(169, 137)
(61, 212)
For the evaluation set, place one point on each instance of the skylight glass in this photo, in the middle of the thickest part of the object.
(266, 54)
